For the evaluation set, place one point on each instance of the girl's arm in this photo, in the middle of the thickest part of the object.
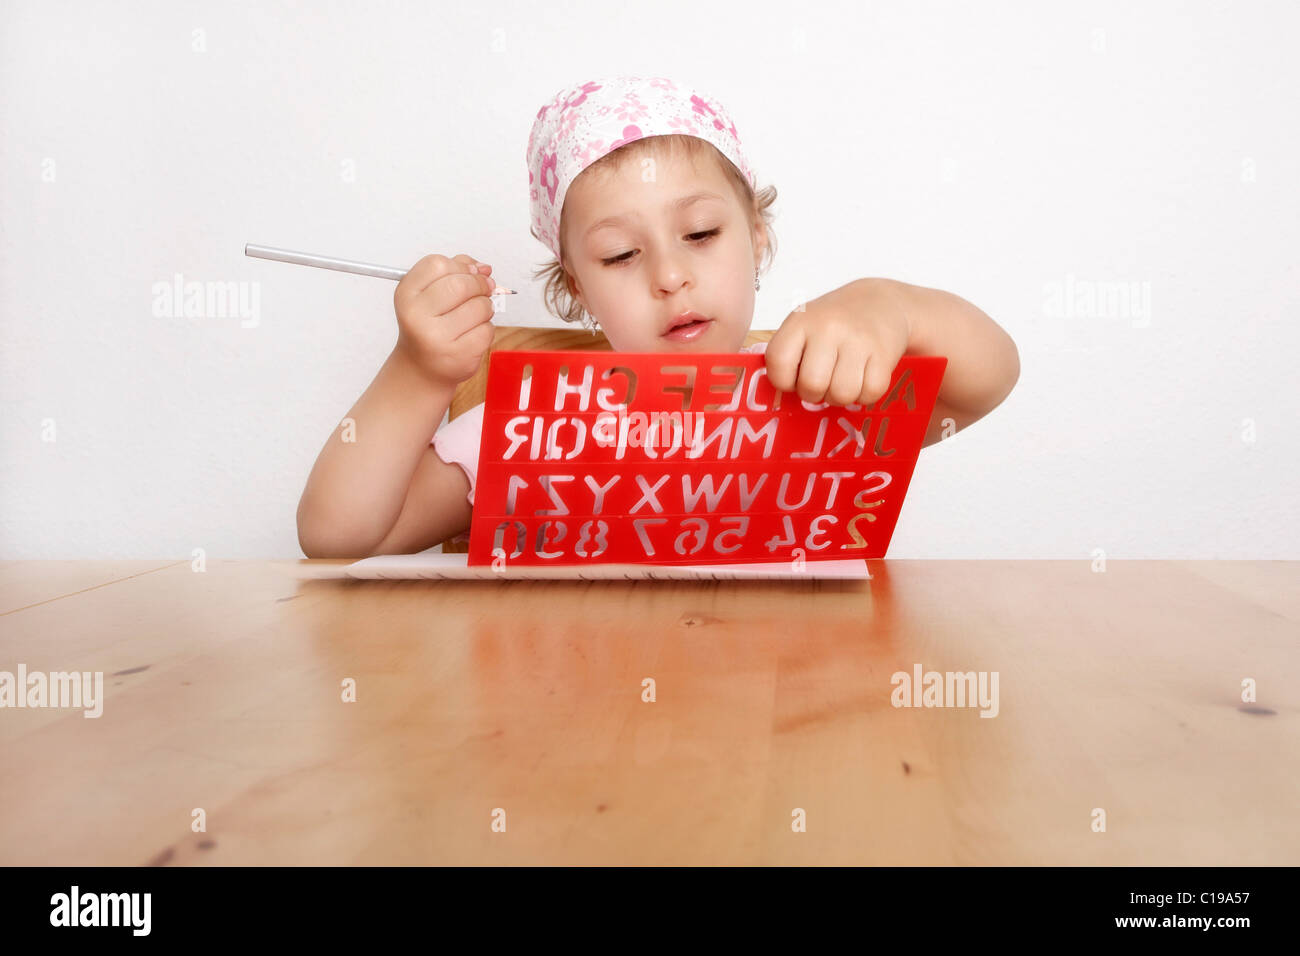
(378, 486)
(360, 484)
(843, 347)
(983, 361)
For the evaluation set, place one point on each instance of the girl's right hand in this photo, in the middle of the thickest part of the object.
(444, 316)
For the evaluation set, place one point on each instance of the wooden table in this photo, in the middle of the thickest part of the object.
(522, 701)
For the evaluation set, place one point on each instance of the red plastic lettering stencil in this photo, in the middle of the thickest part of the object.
(663, 458)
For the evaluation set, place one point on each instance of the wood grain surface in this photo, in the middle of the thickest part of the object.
(1118, 690)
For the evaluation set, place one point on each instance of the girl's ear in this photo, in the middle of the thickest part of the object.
(760, 241)
(575, 291)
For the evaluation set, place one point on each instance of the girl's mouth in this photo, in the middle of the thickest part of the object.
(689, 331)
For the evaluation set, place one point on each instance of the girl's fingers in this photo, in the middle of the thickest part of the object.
(452, 290)
(847, 379)
(473, 265)
(423, 274)
(429, 270)
(876, 381)
(466, 317)
(784, 350)
(815, 370)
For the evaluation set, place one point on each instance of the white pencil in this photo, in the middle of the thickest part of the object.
(339, 265)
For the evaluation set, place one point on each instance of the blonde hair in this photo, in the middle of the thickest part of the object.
(560, 301)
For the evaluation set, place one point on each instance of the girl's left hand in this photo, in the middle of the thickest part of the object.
(842, 347)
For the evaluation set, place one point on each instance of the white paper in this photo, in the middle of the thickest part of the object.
(434, 564)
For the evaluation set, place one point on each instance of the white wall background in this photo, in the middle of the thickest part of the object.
(991, 149)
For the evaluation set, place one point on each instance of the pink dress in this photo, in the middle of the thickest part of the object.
(457, 441)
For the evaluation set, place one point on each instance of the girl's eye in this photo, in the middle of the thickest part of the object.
(700, 238)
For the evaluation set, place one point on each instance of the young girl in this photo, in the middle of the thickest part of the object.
(642, 191)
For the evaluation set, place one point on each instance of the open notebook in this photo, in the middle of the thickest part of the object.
(434, 564)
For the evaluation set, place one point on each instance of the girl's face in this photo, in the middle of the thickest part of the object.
(642, 249)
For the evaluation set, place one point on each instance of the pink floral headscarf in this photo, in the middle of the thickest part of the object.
(585, 122)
